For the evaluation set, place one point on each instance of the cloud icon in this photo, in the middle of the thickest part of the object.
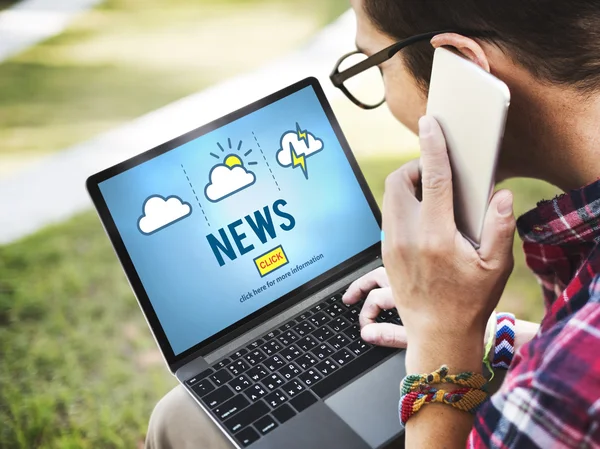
(161, 212)
(227, 180)
(302, 143)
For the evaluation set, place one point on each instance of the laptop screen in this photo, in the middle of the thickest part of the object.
(223, 225)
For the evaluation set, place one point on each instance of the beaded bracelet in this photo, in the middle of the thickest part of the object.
(414, 382)
(465, 399)
(504, 349)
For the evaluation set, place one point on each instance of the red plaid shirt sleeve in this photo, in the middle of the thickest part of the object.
(552, 397)
(551, 394)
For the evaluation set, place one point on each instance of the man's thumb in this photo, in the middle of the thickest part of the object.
(499, 228)
(384, 334)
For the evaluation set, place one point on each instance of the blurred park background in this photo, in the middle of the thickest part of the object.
(78, 366)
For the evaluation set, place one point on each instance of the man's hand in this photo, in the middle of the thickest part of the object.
(443, 288)
(374, 286)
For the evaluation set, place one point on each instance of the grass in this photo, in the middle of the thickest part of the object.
(79, 366)
(126, 58)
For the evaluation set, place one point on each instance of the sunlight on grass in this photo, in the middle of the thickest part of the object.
(127, 58)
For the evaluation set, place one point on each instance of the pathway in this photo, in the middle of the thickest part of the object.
(31, 21)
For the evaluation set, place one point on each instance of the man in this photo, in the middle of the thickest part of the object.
(548, 53)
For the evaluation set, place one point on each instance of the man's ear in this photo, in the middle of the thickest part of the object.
(464, 45)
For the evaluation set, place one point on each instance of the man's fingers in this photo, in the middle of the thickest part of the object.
(378, 300)
(498, 229)
(360, 288)
(436, 176)
(384, 334)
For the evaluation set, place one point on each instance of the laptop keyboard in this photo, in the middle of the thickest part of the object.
(261, 386)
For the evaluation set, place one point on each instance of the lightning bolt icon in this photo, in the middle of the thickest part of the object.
(299, 161)
(302, 134)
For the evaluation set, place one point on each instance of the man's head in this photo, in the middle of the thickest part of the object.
(540, 48)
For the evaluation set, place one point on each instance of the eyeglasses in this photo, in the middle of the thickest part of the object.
(367, 90)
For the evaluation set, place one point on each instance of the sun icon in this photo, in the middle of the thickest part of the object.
(232, 160)
(230, 176)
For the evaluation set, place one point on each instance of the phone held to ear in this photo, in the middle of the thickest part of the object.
(471, 106)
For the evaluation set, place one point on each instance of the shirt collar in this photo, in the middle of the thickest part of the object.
(572, 217)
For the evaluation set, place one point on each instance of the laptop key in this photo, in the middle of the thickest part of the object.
(276, 398)
(246, 416)
(322, 351)
(334, 310)
(293, 388)
(273, 381)
(221, 377)
(342, 357)
(271, 347)
(352, 315)
(353, 332)
(203, 387)
(306, 361)
(359, 347)
(219, 396)
(304, 328)
(303, 401)
(255, 392)
(304, 316)
(200, 376)
(240, 383)
(239, 353)
(338, 342)
(307, 343)
(323, 333)
(238, 367)
(265, 424)
(257, 373)
(289, 371)
(275, 362)
(339, 324)
(354, 368)
(283, 413)
(290, 353)
(256, 344)
(231, 407)
(255, 357)
(287, 338)
(326, 367)
(318, 307)
(319, 319)
(287, 326)
(332, 300)
(310, 377)
(272, 335)
(222, 364)
(247, 436)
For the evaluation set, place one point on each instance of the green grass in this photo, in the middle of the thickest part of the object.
(126, 58)
(79, 366)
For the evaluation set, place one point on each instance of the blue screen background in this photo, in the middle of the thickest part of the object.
(194, 297)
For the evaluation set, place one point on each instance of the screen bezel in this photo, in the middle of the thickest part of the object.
(236, 329)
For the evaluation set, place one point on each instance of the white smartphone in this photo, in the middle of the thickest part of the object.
(471, 106)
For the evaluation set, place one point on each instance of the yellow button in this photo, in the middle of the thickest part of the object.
(270, 261)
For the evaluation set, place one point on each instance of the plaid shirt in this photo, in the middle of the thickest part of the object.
(550, 397)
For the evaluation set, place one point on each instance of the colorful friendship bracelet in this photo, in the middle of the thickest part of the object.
(414, 382)
(465, 399)
(504, 348)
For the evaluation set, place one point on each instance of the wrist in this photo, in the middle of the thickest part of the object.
(459, 353)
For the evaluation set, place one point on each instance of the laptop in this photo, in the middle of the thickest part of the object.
(239, 239)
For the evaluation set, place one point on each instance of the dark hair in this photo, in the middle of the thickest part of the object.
(556, 40)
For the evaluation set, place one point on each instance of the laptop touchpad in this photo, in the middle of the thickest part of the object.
(370, 404)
